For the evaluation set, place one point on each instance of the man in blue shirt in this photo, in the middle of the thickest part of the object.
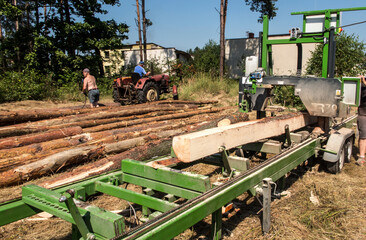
(140, 69)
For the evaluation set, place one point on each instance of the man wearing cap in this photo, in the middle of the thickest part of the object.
(91, 86)
(140, 69)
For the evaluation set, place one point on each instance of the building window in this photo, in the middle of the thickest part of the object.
(107, 70)
(106, 54)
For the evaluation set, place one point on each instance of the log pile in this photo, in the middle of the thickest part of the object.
(42, 142)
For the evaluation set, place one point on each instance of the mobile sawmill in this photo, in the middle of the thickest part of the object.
(173, 200)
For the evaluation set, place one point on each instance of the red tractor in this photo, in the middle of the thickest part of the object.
(129, 90)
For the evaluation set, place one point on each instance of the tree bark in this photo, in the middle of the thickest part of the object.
(139, 121)
(223, 11)
(73, 115)
(55, 162)
(41, 137)
(105, 164)
(157, 147)
(139, 27)
(144, 28)
(10, 158)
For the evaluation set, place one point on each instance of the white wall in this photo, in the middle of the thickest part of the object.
(165, 57)
(284, 56)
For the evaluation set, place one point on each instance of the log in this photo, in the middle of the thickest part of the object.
(107, 164)
(154, 148)
(202, 102)
(84, 120)
(10, 158)
(140, 121)
(54, 162)
(12, 142)
(12, 117)
(194, 146)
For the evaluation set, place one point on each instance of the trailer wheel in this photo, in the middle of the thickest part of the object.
(348, 149)
(336, 167)
(151, 92)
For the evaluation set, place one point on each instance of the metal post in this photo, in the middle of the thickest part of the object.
(331, 53)
(288, 136)
(216, 226)
(266, 224)
(225, 160)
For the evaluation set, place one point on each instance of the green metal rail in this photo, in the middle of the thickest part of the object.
(177, 220)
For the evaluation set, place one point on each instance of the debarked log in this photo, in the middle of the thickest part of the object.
(193, 146)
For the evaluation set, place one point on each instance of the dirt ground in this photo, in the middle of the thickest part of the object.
(339, 213)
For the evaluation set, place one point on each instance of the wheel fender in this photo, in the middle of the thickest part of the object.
(335, 143)
(141, 83)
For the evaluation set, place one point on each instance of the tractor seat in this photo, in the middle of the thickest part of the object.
(135, 77)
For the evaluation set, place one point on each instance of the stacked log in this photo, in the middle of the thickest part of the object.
(51, 140)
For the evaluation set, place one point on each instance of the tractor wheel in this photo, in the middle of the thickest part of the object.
(151, 92)
(141, 96)
(115, 95)
(336, 167)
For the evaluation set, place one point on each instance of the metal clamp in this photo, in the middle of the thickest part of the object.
(67, 198)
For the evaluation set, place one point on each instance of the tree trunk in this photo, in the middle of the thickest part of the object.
(144, 27)
(139, 27)
(55, 162)
(37, 15)
(223, 11)
(139, 121)
(157, 147)
(105, 164)
(41, 137)
(10, 158)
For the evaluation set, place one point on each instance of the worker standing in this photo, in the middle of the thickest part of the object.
(141, 70)
(361, 123)
(91, 85)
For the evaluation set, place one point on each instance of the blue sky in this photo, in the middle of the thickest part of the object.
(186, 24)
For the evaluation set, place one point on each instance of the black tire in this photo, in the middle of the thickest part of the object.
(151, 92)
(336, 167)
(348, 149)
(141, 96)
(115, 95)
(175, 97)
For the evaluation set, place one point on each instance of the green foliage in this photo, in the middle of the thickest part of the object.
(152, 65)
(285, 96)
(67, 40)
(207, 59)
(180, 70)
(265, 7)
(15, 86)
(350, 57)
(204, 86)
